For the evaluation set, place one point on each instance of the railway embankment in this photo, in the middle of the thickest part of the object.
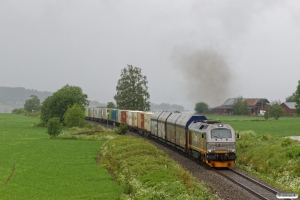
(274, 159)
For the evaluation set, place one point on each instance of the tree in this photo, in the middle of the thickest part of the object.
(267, 114)
(291, 98)
(32, 104)
(132, 89)
(57, 104)
(110, 105)
(54, 127)
(297, 98)
(240, 106)
(201, 107)
(74, 116)
(276, 110)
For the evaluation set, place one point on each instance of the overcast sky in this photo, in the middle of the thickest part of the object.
(190, 51)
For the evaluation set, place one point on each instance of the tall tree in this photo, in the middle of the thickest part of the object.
(132, 90)
(201, 107)
(57, 104)
(32, 104)
(240, 106)
(297, 98)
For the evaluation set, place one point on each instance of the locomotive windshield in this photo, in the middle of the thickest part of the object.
(220, 133)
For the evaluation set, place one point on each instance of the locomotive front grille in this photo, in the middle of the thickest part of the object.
(221, 156)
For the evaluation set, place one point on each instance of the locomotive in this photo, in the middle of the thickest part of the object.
(211, 142)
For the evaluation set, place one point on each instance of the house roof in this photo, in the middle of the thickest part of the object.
(252, 102)
(290, 105)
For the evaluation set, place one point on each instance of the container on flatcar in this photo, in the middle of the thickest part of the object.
(92, 112)
(120, 116)
(113, 115)
(105, 112)
(128, 118)
(124, 116)
(97, 113)
(147, 121)
(141, 120)
(134, 117)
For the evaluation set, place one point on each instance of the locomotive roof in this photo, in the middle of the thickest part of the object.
(202, 124)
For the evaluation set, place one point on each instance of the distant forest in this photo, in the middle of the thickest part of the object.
(166, 107)
(16, 97)
(19, 95)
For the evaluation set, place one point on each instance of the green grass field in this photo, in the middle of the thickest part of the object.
(32, 166)
(284, 126)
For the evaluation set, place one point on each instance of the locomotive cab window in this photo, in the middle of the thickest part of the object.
(221, 133)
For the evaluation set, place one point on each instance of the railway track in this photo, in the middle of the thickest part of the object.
(254, 187)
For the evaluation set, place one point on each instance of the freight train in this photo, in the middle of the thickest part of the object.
(210, 141)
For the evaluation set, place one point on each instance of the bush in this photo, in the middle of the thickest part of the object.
(266, 137)
(54, 127)
(33, 114)
(74, 116)
(286, 142)
(244, 135)
(18, 111)
(122, 129)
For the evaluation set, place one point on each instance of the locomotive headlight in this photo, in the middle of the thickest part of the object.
(209, 150)
(231, 150)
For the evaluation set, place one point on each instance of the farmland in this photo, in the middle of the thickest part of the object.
(34, 167)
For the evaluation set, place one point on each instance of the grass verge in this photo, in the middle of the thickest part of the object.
(144, 172)
(274, 159)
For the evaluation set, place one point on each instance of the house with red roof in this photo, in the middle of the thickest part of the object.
(254, 104)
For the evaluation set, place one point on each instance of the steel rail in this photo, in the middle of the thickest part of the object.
(255, 181)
